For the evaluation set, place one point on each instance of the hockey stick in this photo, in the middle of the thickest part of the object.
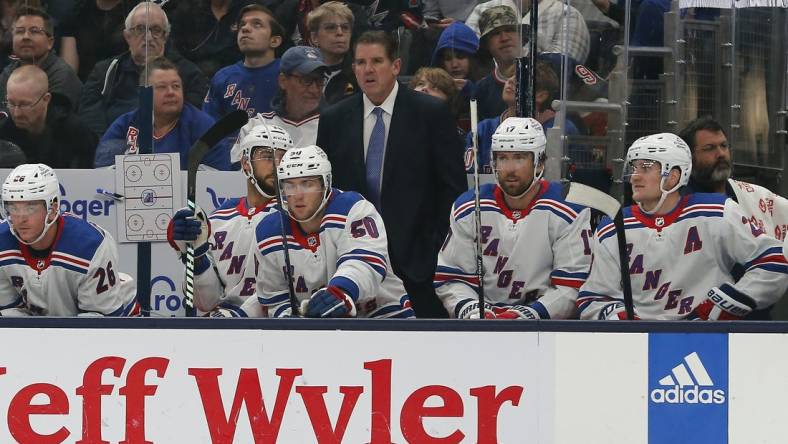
(525, 69)
(477, 206)
(593, 198)
(283, 218)
(221, 129)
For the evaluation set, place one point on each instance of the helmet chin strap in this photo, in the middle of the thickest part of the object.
(317, 211)
(661, 199)
(47, 226)
(250, 175)
(535, 180)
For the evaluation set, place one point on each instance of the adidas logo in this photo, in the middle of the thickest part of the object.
(686, 382)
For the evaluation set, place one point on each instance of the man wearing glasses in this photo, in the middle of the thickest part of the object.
(250, 84)
(682, 247)
(296, 105)
(330, 29)
(32, 44)
(111, 89)
(44, 132)
(224, 241)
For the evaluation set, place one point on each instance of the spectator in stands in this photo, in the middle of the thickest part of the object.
(99, 32)
(293, 15)
(448, 12)
(546, 91)
(45, 133)
(551, 25)
(32, 44)
(438, 83)
(297, 104)
(331, 28)
(422, 173)
(111, 89)
(204, 31)
(456, 54)
(176, 125)
(250, 84)
(499, 37)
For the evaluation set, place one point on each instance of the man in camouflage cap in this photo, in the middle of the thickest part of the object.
(498, 27)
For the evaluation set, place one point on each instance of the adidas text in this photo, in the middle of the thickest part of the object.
(688, 395)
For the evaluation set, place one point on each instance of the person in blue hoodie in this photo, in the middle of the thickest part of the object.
(176, 125)
(456, 53)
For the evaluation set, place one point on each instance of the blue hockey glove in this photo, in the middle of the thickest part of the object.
(330, 302)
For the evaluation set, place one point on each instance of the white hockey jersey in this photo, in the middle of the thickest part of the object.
(78, 277)
(350, 251)
(303, 132)
(538, 256)
(230, 278)
(675, 259)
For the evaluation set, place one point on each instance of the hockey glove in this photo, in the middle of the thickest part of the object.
(615, 312)
(517, 312)
(330, 302)
(469, 309)
(721, 305)
(185, 227)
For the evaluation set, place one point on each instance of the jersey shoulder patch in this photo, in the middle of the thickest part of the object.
(80, 238)
(341, 202)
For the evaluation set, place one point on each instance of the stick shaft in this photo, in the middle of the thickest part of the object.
(477, 207)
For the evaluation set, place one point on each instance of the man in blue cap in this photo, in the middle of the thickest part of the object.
(296, 104)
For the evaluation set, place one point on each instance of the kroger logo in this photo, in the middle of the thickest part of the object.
(688, 383)
(84, 207)
(164, 297)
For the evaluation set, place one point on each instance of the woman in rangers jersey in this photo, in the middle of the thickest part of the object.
(336, 244)
(534, 244)
(54, 264)
(682, 247)
(224, 269)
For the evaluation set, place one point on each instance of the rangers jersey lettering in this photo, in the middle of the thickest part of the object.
(229, 279)
(537, 256)
(349, 251)
(78, 277)
(675, 259)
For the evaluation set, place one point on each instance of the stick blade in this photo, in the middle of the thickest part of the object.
(591, 197)
(221, 129)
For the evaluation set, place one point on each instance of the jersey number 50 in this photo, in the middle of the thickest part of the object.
(364, 226)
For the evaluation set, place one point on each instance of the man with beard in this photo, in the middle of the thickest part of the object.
(711, 173)
(221, 280)
(520, 215)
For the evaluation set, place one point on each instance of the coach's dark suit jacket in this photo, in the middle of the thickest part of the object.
(423, 172)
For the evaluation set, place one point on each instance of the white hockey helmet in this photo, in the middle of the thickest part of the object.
(523, 134)
(670, 151)
(271, 137)
(308, 161)
(31, 182)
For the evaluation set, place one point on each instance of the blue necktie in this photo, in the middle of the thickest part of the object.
(375, 157)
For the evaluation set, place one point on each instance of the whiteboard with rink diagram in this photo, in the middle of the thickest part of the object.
(151, 189)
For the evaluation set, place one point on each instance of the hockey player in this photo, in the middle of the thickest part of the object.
(54, 264)
(337, 248)
(535, 245)
(224, 268)
(681, 247)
